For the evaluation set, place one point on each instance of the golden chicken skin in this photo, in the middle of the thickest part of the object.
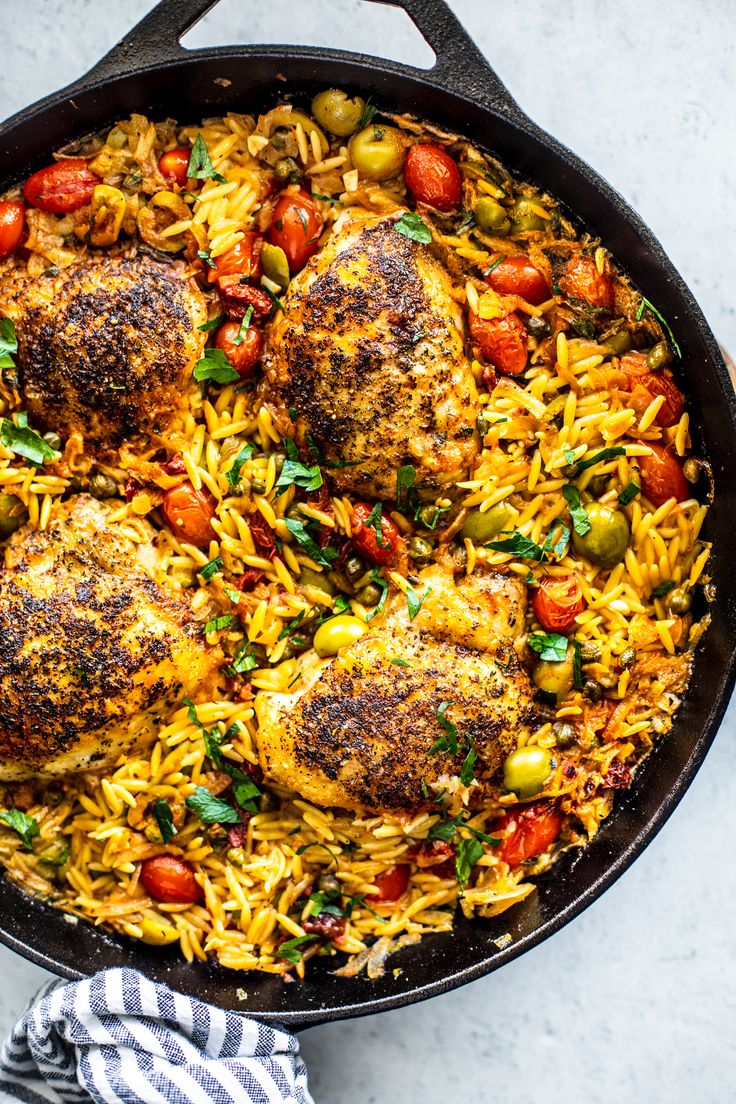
(106, 346)
(368, 360)
(391, 719)
(94, 645)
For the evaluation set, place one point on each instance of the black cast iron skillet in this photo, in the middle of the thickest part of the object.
(150, 72)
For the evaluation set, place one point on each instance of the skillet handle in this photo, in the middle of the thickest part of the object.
(460, 65)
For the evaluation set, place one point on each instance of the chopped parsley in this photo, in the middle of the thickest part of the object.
(26, 826)
(162, 814)
(211, 809)
(292, 625)
(556, 545)
(224, 621)
(495, 264)
(577, 665)
(204, 256)
(200, 166)
(663, 588)
(629, 493)
(290, 950)
(518, 545)
(305, 847)
(551, 647)
(396, 662)
(467, 854)
(214, 365)
(405, 480)
(211, 568)
(448, 742)
(369, 113)
(321, 556)
(415, 601)
(645, 305)
(374, 521)
(8, 343)
(240, 335)
(599, 457)
(467, 773)
(278, 305)
(578, 513)
(296, 474)
(24, 441)
(233, 476)
(378, 579)
(244, 660)
(411, 225)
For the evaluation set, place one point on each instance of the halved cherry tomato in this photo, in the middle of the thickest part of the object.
(527, 831)
(518, 276)
(296, 228)
(12, 217)
(244, 356)
(582, 280)
(244, 259)
(188, 514)
(62, 187)
(502, 341)
(645, 386)
(173, 165)
(557, 602)
(167, 878)
(661, 475)
(236, 298)
(391, 884)
(433, 177)
(365, 537)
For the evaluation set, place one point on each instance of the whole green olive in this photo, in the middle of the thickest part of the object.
(102, 486)
(13, 514)
(555, 677)
(337, 633)
(524, 217)
(311, 578)
(618, 343)
(527, 769)
(287, 171)
(606, 541)
(480, 526)
(420, 550)
(275, 265)
(369, 595)
(337, 112)
(377, 152)
(658, 356)
(491, 217)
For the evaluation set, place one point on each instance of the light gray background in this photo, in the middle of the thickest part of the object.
(634, 1000)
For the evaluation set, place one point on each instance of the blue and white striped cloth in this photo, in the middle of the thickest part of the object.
(118, 1038)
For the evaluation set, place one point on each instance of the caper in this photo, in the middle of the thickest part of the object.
(538, 326)
(606, 541)
(590, 651)
(429, 515)
(524, 217)
(258, 486)
(618, 343)
(328, 883)
(483, 423)
(377, 152)
(555, 677)
(13, 514)
(420, 550)
(597, 485)
(287, 171)
(309, 577)
(459, 554)
(564, 734)
(337, 112)
(480, 526)
(679, 601)
(102, 486)
(275, 265)
(527, 769)
(627, 658)
(658, 356)
(354, 568)
(491, 217)
(117, 138)
(53, 439)
(592, 690)
(369, 595)
(691, 469)
(337, 633)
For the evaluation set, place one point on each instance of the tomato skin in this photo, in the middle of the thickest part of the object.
(244, 259)
(365, 539)
(582, 280)
(62, 187)
(236, 298)
(391, 884)
(661, 475)
(557, 601)
(173, 165)
(12, 221)
(518, 276)
(432, 177)
(169, 879)
(634, 367)
(502, 341)
(244, 356)
(296, 228)
(531, 829)
(188, 514)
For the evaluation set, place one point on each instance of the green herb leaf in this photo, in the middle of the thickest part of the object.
(518, 545)
(415, 601)
(290, 950)
(405, 480)
(321, 902)
(214, 365)
(629, 493)
(25, 442)
(557, 545)
(233, 476)
(322, 556)
(413, 226)
(467, 854)
(162, 814)
(663, 588)
(8, 343)
(222, 622)
(378, 579)
(578, 513)
(246, 794)
(551, 647)
(305, 847)
(26, 826)
(278, 305)
(296, 474)
(213, 323)
(395, 662)
(374, 521)
(293, 624)
(492, 840)
(448, 742)
(211, 568)
(467, 774)
(244, 660)
(444, 829)
(211, 809)
(495, 264)
(204, 256)
(200, 166)
(577, 665)
(240, 335)
(369, 113)
(646, 305)
(55, 855)
(599, 457)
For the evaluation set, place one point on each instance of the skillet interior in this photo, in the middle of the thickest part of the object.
(213, 81)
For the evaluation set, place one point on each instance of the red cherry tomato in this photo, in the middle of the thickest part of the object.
(166, 878)
(433, 177)
(244, 259)
(391, 884)
(296, 228)
(661, 475)
(638, 376)
(12, 218)
(236, 298)
(62, 187)
(582, 280)
(244, 356)
(527, 831)
(518, 276)
(502, 341)
(188, 514)
(173, 165)
(365, 537)
(557, 602)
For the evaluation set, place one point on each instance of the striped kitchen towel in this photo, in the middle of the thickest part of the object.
(119, 1038)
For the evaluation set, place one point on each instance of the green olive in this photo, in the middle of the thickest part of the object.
(369, 595)
(377, 152)
(287, 171)
(275, 265)
(491, 217)
(526, 770)
(618, 343)
(420, 550)
(53, 439)
(337, 633)
(311, 578)
(606, 541)
(524, 217)
(337, 112)
(555, 678)
(117, 138)
(679, 601)
(480, 526)
(102, 486)
(13, 514)
(658, 356)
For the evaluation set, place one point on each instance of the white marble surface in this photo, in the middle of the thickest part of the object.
(636, 999)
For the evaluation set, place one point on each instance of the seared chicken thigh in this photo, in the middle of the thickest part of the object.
(362, 730)
(105, 346)
(369, 354)
(94, 645)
